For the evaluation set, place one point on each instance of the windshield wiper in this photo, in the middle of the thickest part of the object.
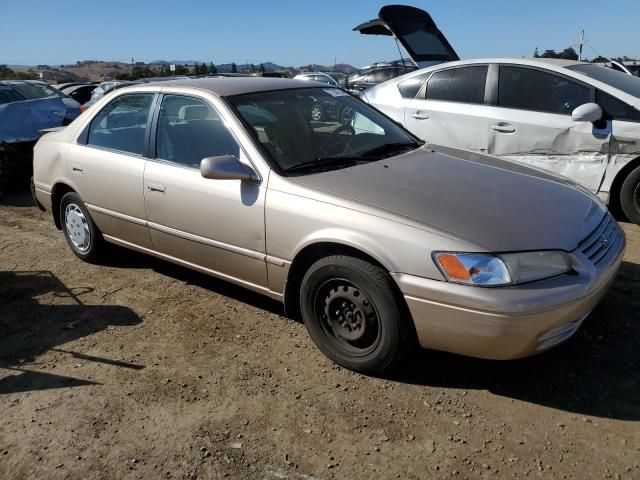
(390, 149)
(377, 153)
(323, 163)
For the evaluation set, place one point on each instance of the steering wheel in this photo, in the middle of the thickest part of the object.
(333, 140)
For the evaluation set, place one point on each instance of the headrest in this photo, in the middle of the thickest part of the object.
(193, 112)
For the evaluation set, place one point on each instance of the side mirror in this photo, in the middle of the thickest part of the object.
(589, 112)
(226, 167)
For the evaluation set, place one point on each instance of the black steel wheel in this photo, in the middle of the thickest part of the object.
(353, 314)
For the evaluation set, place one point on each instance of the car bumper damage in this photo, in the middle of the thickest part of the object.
(512, 322)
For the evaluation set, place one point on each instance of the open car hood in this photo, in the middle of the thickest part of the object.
(415, 30)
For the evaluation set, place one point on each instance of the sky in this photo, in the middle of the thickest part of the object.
(294, 33)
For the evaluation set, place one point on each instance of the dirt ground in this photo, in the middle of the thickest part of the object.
(141, 369)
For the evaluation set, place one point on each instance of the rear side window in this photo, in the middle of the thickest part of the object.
(122, 124)
(9, 95)
(410, 88)
(530, 89)
(190, 129)
(464, 84)
(615, 109)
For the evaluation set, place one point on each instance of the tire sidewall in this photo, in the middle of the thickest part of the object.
(628, 200)
(389, 315)
(74, 198)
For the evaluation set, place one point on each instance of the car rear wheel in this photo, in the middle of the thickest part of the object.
(81, 233)
(630, 196)
(353, 314)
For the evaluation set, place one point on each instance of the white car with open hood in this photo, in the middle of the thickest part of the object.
(577, 119)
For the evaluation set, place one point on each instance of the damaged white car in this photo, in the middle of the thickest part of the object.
(577, 119)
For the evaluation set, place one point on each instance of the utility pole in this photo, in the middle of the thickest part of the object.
(580, 43)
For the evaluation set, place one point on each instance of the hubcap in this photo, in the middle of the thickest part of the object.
(316, 113)
(77, 227)
(348, 316)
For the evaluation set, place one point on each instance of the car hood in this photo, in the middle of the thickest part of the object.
(497, 204)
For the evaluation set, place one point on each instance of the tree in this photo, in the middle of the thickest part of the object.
(262, 69)
(536, 53)
(182, 70)
(600, 59)
(252, 68)
(549, 54)
(212, 68)
(6, 72)
(568, 54)
(234, 68)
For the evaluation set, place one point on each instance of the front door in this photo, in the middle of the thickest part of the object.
(532, 124)
(107, 167)
(217, 225)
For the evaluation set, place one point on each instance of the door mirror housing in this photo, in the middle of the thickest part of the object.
(227, 167)
(589, 112)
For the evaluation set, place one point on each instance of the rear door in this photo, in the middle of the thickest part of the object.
(450, 109)
(531, 123)
(107, 167)
(415, 30)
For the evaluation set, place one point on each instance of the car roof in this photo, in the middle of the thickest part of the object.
(229, 86)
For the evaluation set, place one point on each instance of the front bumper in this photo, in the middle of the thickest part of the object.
(509, 322)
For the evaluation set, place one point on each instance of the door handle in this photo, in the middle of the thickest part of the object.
(420, 116)
(155, 187)
(503, 127)
(76, 167)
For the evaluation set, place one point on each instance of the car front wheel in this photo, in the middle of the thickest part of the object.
(81, 233)
(353, 314)
(630, 196)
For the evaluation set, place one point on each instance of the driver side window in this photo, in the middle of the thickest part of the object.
(531, 89)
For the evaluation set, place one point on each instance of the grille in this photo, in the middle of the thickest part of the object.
(603, 239)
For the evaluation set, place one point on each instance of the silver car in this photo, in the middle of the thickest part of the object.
(378, 242)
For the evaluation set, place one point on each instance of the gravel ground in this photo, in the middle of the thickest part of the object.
(141, 369)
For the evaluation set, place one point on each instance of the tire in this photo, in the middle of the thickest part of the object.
(630, 196)
(81, 233)
(354, 316)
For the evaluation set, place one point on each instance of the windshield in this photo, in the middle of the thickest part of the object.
(37, 90)
(622, 81)
(315, 129)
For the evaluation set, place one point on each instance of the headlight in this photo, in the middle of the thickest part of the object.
(506, 269)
